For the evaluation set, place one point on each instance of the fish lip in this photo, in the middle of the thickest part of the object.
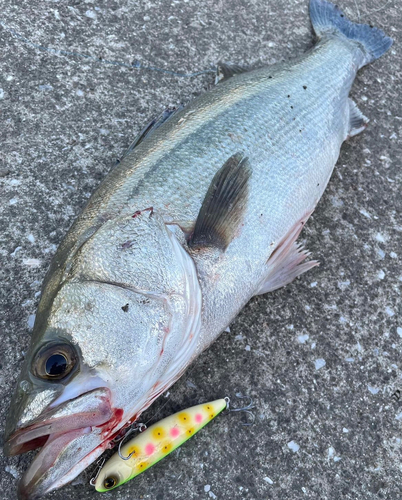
(40, 479)
(60, 432)
(31, 486)
(37, 432)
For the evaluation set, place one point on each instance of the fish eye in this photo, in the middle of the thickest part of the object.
(54, 361)
(109, 482)
(56, 365)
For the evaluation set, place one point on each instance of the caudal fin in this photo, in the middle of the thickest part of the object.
(328, 19)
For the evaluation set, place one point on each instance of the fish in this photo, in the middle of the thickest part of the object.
(154, 443)
(202, 213)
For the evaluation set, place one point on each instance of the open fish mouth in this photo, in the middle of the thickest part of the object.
(87, 410)
(62, 432)
(36, 481)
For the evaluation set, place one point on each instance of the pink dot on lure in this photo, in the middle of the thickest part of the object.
(198, 418)
(174, 432)
(149, 449)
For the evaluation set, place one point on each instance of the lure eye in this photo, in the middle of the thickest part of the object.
(109, 482)
(54, 361)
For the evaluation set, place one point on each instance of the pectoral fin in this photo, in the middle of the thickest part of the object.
(223, 206)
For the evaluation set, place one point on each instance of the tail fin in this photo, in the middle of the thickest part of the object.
(329, 19)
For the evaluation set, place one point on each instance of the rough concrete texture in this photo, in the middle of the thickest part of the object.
(321, 358)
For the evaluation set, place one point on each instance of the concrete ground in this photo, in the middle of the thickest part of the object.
(321, 358)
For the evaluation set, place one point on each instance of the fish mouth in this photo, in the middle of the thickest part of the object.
(62, 432)
(35, 483)
(90, 409)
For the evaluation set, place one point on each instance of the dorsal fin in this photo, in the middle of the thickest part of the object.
(223, 206)
(225, 71)
(151, 127)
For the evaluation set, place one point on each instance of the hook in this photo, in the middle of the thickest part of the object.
(136, 427)
(93, 479)
(246, 409)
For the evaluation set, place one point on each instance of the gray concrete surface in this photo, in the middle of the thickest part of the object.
(322, 357)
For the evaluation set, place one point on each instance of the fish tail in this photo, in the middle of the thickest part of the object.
(329, 20)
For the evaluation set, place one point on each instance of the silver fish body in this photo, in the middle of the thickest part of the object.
(130, 301)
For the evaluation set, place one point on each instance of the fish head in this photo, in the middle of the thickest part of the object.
(122, 327)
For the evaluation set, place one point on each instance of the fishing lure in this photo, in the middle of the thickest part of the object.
(156, 442)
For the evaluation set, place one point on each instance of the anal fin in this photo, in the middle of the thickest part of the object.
(287, 261)
(357, 121)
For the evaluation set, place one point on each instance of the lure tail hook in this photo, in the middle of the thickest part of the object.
(245, 409)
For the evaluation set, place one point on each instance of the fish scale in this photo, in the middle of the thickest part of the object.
(185, 171)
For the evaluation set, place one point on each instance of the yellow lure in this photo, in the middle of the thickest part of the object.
(147, 448)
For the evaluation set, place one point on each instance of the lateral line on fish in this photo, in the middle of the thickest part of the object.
(146, 293)
(177, 134)
(135, 65)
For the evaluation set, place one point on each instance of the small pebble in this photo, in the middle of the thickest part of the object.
(31, 321)
(45, 87)
(31, 262)
(319, 363)
(293, 446)
(91, 14)
(303, 338)
(12, 470)
(389, 311)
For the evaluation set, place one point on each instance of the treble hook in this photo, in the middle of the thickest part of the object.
(246, 409)
(136, 427)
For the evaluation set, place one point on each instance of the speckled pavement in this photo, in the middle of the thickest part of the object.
(321, 358)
